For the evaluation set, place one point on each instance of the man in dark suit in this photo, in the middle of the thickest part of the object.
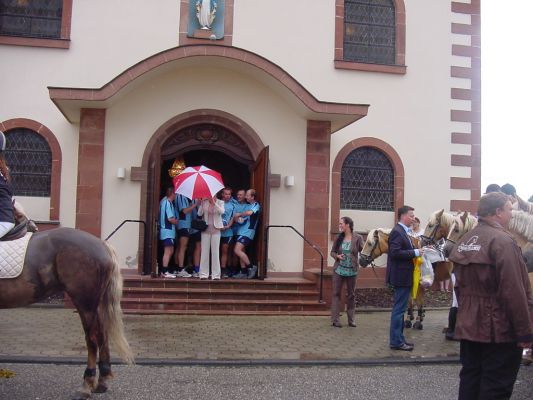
(400, 274)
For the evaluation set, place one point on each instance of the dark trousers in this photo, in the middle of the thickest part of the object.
(337, 282)
(401, 298)
(489, 370)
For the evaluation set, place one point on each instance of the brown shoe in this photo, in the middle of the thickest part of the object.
(352, 324)
(336, 324)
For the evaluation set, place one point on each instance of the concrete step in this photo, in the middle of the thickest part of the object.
(272, 296)
(227, 305)
(224, 312)
(216, 293)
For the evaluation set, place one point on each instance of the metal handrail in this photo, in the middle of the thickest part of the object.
(320, 297)
(146, 261)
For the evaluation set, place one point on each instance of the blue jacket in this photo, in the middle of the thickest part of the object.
(400, 258)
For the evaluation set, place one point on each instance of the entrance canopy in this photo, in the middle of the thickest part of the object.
(71, 100)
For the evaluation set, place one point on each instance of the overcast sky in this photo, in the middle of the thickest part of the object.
(506, 92)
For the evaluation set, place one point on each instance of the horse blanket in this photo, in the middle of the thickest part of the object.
(12, 255)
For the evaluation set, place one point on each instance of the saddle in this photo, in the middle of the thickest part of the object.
(23, 226)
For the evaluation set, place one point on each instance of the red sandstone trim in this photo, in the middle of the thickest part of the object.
(378, 144)
(472, 138)
(62, 43)
(90, 171)
(55, 149)
(316, 191)
(340, 63)
(183, 52)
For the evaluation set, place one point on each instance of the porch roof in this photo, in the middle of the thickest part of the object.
(71, 100)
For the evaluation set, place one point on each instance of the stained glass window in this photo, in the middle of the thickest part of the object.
(369, 31)
(367, 181)
(30, 162)
(31, 18)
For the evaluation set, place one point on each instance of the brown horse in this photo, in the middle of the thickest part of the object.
(376, 244)
(85, 268)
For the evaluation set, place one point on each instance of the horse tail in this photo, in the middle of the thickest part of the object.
(111, 312)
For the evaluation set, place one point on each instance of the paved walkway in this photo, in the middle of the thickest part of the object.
(56, 335)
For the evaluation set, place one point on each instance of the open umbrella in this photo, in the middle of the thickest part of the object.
(198, 182)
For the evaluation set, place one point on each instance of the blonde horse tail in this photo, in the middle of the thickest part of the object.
(111, 312)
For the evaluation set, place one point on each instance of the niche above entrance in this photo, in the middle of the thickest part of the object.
(205, 137)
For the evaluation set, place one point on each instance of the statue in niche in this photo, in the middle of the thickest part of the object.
(205, 12)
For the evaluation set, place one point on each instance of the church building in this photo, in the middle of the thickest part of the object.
(327, 108)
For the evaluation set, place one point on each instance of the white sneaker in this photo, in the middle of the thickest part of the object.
(195, 275)
(183, 274)
(169, 275)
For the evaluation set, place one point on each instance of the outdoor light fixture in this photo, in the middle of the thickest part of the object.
(289, 180)
(121, 173)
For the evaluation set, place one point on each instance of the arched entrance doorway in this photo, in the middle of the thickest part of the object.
(205, 137)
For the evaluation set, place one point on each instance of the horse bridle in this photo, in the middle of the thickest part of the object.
(378, 246)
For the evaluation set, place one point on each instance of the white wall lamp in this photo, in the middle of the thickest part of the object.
(121, 173)
(289, 180)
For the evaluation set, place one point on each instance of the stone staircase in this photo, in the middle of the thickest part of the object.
(271, 296)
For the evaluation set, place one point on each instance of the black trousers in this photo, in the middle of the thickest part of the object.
(489, 370)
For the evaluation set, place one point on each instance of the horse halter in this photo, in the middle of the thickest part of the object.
(431, 239)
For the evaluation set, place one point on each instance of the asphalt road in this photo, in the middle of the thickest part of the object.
(435, 382)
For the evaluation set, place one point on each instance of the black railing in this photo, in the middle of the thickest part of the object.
(146, 255)
(320, 297)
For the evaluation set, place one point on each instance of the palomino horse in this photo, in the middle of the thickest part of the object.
(86, 268)
(376, 244)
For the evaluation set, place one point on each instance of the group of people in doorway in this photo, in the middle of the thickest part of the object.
(219, 244)
(495, 315)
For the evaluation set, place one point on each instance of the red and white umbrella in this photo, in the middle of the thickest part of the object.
(198, 182)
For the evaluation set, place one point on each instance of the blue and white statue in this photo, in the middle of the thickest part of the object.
(205, 12)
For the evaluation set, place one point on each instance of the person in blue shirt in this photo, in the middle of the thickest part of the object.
(226, 233)
(239, 206)
(184, 207)
(247, 222)
(167, 230)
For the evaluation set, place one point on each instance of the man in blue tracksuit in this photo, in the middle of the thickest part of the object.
(184, 208)
(247, 222)
(167, 230)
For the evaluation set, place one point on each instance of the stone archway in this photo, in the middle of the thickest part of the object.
(192, 130)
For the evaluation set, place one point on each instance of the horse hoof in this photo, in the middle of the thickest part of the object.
(79, 395)
(100, 389)
(418, 325)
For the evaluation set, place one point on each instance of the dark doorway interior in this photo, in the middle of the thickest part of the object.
(234, 173)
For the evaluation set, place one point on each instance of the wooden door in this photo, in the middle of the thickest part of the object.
(152, 211)
(259, 182)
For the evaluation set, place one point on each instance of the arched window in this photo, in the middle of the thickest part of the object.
(36, 18)
(367, 181)
(370, 31)
(29, 158)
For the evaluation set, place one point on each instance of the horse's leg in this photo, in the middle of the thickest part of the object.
(104, 362)
(420, 309)
(90, 326)
(410, 316)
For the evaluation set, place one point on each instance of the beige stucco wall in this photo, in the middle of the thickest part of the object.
(410, 112)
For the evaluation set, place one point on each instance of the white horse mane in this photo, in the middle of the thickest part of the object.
(386, 231)
(522, 223)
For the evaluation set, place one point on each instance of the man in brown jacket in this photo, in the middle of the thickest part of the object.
(495, 317)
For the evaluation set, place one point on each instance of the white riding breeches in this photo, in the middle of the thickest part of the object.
(5, 227)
